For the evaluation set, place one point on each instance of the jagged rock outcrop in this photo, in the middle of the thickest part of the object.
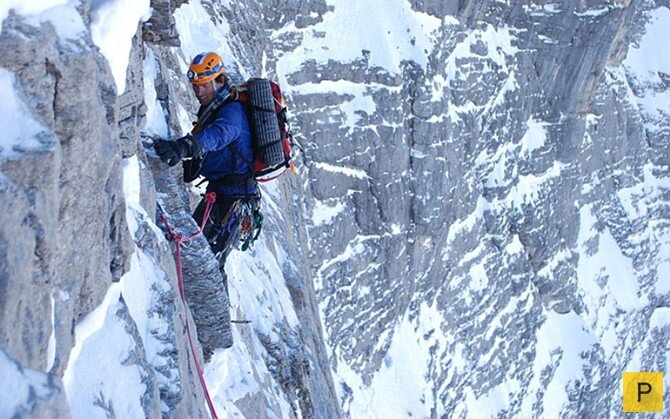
(160, 28)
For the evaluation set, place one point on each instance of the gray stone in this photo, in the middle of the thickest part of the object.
(75, 240)
(442, 188)
(34, 394)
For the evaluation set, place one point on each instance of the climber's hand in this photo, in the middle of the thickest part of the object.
(171, 152)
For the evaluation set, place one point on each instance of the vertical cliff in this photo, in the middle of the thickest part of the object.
(479, 225)
(488, 196)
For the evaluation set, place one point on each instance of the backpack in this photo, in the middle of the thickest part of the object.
(271, 137)
(271, 134)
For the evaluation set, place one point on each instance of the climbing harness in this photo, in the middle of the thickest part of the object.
(180, 240)
(250, 220)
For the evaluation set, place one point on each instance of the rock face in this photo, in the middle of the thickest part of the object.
(64, 239)
(479, 227)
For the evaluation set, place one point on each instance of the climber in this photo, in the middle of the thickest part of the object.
(220, 149)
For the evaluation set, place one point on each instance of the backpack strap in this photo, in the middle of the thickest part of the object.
(237, 181)
(236, 151)
(245, 181)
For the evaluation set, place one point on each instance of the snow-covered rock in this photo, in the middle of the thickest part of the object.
(479, 227)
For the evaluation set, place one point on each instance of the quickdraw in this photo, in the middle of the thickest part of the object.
(247, 218)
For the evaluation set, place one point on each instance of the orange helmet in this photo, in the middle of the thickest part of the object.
(205, 67)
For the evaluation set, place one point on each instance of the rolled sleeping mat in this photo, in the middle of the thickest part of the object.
(265, 123)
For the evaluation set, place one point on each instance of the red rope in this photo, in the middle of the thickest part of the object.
(179, 239)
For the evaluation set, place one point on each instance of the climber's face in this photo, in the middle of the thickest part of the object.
(205, 93)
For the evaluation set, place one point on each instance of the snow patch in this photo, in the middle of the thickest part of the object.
(497, 400)
(51, 348)
(534, 138)
(358, 98)
(131, 189)
(361, 103)
(142, 287)
(60, 13)
(593, 13)
(539, 10)
(562, 342)
(479, 280)
(401, 386)
(156, 124)
(26, 8)
(113, 25)
(660, 318)
(131, 180)
(347, 171)
(251, 277)
(386, 31)
(323, 214)
(529, 187)
(465, 225)
(21, 388)
(499, 46)
(97, 374)
(603, 270)
(233, 374)
(19, 130)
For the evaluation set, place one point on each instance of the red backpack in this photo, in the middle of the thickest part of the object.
(265, 168)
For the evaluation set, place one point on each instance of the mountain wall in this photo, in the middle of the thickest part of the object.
(489, 209)
(479, 225)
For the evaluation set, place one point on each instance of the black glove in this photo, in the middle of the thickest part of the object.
(171, 152)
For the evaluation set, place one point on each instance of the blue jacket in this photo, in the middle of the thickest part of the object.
(230, 127)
